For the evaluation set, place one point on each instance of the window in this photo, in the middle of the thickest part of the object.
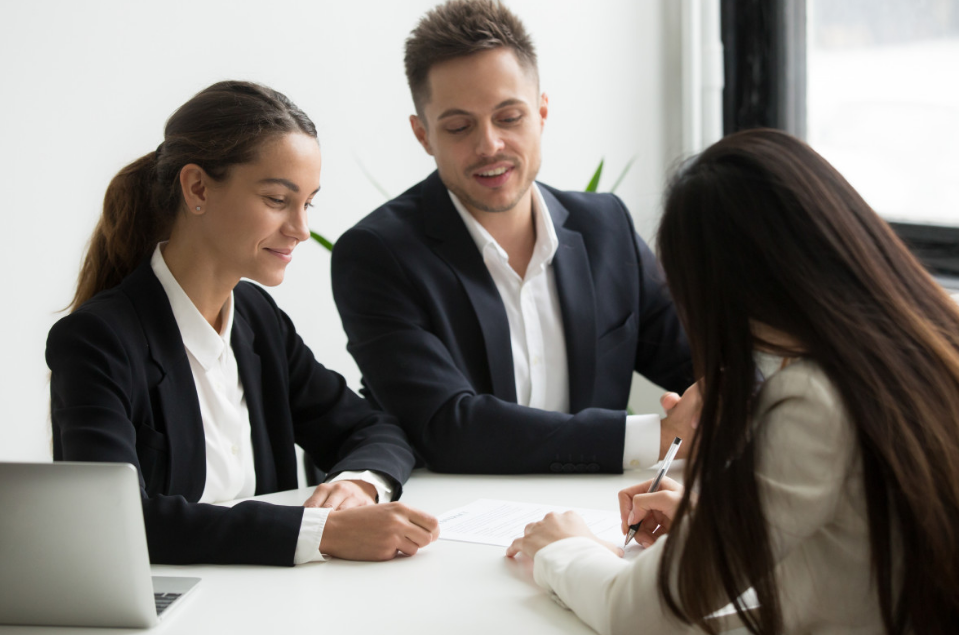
(873, 85)
(882, 87)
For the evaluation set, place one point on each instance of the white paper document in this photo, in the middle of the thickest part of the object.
(497, 522)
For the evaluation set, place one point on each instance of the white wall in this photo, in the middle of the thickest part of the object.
(87, 87)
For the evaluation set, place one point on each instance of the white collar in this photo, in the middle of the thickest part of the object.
(546, 241)
(768, 364)
(203, 342)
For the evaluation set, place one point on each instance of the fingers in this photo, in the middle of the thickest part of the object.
(664, 501)
(417, 536)
(409, 547)
(339, 495)
(614, 548)
(669, 400)
(319, 497)
(376, 532)
(332, 495)
(646, 538)
(669, 485)
(414, 528)
(425, 521)
(626, 501)
(351, 501)
(515, 548)
(336, 498)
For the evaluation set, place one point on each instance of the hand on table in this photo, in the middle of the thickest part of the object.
(342, 495)
(552, 528)
(636, 505)
(377, 532)
(682, 417)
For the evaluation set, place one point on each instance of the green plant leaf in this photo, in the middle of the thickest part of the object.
(622, 174)
(594, 182)
(320, 239)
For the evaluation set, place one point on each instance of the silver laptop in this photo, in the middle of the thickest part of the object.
(73, 550)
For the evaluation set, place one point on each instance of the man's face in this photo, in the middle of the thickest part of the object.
(483, 124)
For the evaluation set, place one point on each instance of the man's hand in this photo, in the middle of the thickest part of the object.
(669, 400)
(377, 532)
(342, 495)
(552, 528)
(682, 417)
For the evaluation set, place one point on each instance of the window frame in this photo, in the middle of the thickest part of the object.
(764, 59)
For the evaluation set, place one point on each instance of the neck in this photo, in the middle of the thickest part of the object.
(197, 273)
(514, 230)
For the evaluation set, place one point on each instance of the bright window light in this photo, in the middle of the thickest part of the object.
(883, 102)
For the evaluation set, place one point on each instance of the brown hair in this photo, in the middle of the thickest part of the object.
(458, 28)
(760, 227)
(221, 126)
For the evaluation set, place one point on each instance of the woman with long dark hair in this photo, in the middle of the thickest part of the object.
(171, 363)
(826, 460)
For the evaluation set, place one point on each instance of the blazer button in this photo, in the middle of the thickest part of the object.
(569, 468)
(593, 467)
(580, 468)
(556, 467)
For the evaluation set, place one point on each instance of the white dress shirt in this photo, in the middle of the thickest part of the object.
(536, 332)
(230, 473)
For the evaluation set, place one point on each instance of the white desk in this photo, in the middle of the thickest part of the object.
(449, 587)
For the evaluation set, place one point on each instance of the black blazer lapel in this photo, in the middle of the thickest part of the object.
(179, 404)
(248, 363)
(454, 244)
(577, 301)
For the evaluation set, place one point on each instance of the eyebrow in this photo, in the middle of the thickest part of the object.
(452, 112)
(290, 185)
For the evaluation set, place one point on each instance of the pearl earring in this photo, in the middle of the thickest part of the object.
(198, 208)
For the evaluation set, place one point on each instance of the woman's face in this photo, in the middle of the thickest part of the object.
(257, 215)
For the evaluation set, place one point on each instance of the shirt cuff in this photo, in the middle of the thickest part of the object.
(641, 446)
(311, 533)
(384, 488)
(552, 561)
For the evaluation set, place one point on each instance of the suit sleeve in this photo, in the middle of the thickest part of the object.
(662, 350)
(94, 406)
(411, 373)
(337, 427)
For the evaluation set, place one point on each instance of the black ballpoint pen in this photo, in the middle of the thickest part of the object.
(670, 455)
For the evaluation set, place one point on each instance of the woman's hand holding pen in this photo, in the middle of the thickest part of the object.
(637, 505)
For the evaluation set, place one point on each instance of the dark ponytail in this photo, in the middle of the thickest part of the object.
(221, 126)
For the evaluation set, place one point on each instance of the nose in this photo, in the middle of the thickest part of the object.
(489, 142)
(297, 226)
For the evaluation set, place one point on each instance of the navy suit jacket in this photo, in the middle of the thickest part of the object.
(122, 391)
(428, 329)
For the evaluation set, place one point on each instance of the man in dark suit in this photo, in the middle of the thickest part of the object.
(499, 319)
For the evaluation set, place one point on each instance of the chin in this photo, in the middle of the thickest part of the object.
(269, 280)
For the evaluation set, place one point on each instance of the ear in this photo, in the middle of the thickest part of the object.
(193, 186)
(543, 108)
(419, 131)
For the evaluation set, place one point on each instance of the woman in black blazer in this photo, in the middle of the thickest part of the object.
(167, 353)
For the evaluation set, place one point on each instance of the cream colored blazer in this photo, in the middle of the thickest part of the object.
(810, 479)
